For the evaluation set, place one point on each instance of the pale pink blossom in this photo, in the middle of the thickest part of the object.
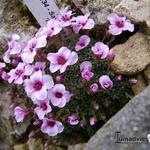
(119, 24)
(29, 52)
(82, 22)
(36, 87)
(17, 75)
(59, 96)
(51, 127)
(59, 79)
(93, 121)
(73, 120)
(2, 65)
(86, 65)
(14, 47)
(43, 108)
(133, 81)
(94, 88)
(83, 42)
(111, 55)
(5, 76)
(96, 106)
(39, 66)
(65, 17)
(100, 50)
(63, 58)
(53, 28)
(105, 82)
(87, 75)
(20, 113)
(119, 77)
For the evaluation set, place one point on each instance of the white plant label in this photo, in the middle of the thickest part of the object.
(43, 10)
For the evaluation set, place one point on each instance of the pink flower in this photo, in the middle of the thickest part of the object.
(51, 127)
(96, 106)
(94, 88)
(65, 17)
(36, 87)
(84, 40)
(59, 79)
(53, 28)
(17, 75)
(14, 47)
(59, 96)
(86, 65)
(5, 76)
(2, 65)
(30, 50)
(87, 75)
(93, 121)
(73, 120)
(82, 22)
(20, 113)
(119, 24)
(119, 77)
(105, 82)
(60, 60)
(39, 66)
(133, 81)
(43, 109)
(100, 50)
(111, 55)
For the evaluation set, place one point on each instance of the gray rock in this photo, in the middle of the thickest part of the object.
(132, 56)
(99, 9)
(132, 121)
(11, 21)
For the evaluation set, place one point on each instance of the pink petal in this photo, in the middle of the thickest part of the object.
(89, 24)
(41, 41)
(27, 56)
(37, 76)
(64, 51)
(41, 94)
(48, 81)
(73, 58)
(54, 67)
(114, 30)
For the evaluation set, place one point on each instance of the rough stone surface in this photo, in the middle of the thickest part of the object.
(35, 144)
(136, 10)
(147, 74)
(77, 147)
(132, 56)
(132, 121)
(11, 21)
(140, 85)
(99, 9)
(21, 147)
(9, 129)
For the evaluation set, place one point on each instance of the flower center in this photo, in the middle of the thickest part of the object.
(43, 106)
(51, 123)
(37, 85)
(19, 72)
(82, 44)
(61, 60)
(107, 84)
(58, 94)
(65, 18)
(119, 24)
